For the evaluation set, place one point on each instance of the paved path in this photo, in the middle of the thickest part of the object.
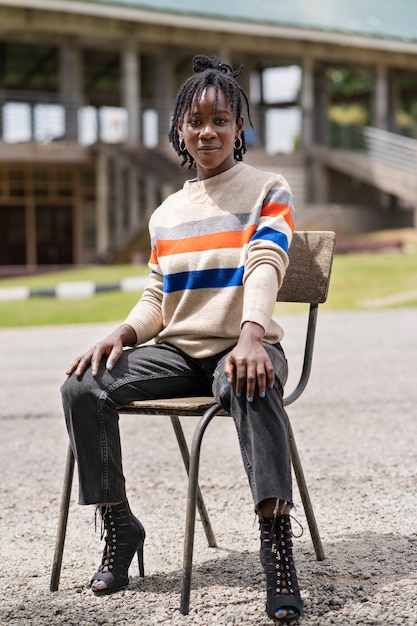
(357, 434)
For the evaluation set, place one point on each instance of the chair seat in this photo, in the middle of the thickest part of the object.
(175, 406)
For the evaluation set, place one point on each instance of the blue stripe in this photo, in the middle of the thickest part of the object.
(272, 235)
(204, 279)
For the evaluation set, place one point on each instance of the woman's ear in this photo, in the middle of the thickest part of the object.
(239, 124)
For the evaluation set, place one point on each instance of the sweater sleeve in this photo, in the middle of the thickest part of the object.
(267, 258)
(146, 316)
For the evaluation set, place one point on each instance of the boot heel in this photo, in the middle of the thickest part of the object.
(140, 562)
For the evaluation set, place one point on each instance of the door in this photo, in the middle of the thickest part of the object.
(54, 235)
(13, 235)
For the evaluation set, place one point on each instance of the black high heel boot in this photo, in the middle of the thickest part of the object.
(282, 592)
(125, 535)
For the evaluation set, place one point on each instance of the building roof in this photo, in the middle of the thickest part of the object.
(371, 18)
(375, 21)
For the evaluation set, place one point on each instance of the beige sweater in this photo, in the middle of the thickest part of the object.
(218, 257)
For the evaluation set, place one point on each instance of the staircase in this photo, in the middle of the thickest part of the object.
(138, 180)
(385, 160)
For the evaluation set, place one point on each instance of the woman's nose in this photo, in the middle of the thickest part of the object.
(208, 131)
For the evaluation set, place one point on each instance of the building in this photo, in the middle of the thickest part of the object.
(85, 94)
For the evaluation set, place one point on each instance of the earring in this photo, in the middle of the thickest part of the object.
(182, 145)
(238, 143)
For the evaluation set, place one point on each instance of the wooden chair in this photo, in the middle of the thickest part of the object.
(306, 281)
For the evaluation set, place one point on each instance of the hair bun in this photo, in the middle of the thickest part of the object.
(201, 63)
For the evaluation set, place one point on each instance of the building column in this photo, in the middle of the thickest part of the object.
(316, 128)
(30, 235)
(77, 219)
(244, 81)
(131, 92)
(380, 98)
(102, 205)
(262, 109)
(133, 197)
(321, 133)
(307, 102)
(394, 103)
(151, 195)
(70, 88)
(253, 91)
(119, 201)
(163, 95)
(380, 110)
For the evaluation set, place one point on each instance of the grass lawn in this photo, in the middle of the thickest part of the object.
(373, 280)
(359, 281)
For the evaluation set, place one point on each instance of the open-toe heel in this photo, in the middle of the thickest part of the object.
(124, 536)
(283, 599)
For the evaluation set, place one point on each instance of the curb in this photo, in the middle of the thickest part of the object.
(80, 289)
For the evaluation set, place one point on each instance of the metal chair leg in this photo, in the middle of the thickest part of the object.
(205, 520)
(305, 496)
(63, 519)
(191, 507)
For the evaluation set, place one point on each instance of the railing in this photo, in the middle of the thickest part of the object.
(384, 147)
(391, 149)
(40, 117)
(44, 117)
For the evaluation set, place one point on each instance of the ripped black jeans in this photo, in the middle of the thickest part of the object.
(162, 371)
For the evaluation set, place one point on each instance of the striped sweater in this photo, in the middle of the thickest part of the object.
(218, 257)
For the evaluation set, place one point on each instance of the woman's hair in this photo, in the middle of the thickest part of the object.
(208, 72)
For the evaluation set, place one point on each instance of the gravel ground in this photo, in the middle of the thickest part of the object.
(356, 431)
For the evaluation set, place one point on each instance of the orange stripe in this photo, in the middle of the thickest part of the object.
(274, 209)
(232, 239)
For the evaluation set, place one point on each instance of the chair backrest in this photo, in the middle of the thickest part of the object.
(308, 273)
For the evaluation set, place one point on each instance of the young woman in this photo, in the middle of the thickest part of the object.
(218, 257)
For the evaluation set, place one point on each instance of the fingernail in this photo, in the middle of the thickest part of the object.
(110, 367)
(271, 386)
(250, 399)
(228, 380)
(262, 394)
(239, 395)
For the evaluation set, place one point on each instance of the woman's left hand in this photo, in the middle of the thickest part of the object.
(248, 365)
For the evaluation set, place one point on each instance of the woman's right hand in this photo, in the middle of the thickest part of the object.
(112, 346)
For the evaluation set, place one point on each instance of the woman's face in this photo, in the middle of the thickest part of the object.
(209, 132)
